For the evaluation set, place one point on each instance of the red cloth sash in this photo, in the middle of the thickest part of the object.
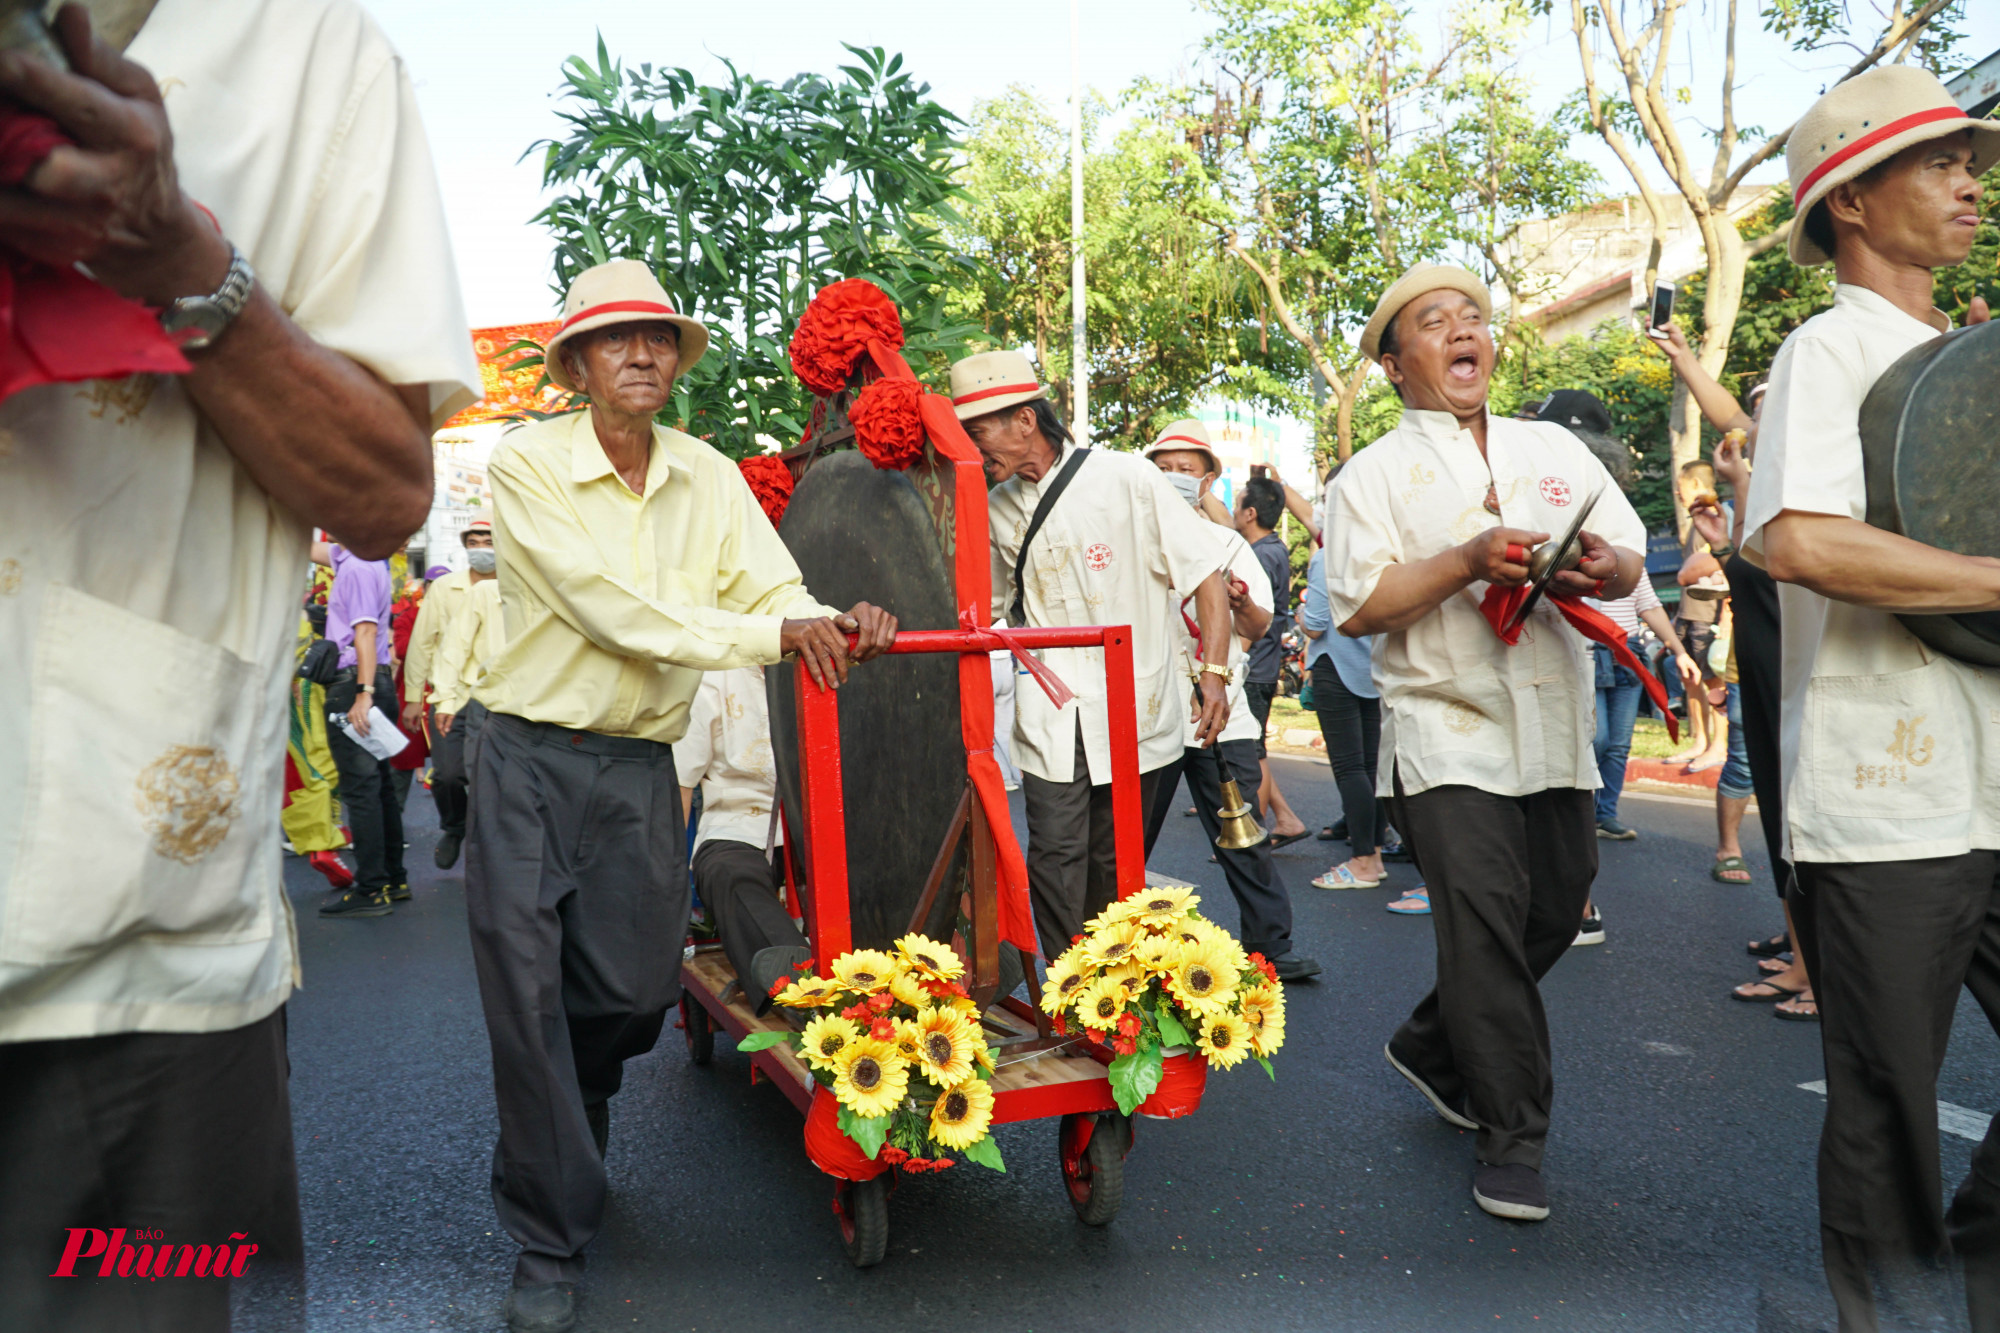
(56, 325)
(1500, 604)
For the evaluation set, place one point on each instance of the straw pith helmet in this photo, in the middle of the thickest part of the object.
(620, 292)
(1866, 120)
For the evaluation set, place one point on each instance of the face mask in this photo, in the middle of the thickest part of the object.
(483, 560)
(1189, 487)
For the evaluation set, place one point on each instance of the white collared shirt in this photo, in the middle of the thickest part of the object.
(1889, 749)
(727, 753)
(1459, 705)
(1243, 564)
(1116, 542)
(149, 589)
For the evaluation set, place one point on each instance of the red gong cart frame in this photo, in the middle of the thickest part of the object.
(1039, 1075)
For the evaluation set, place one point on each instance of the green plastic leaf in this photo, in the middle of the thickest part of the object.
(1133, 1078)
(1171, 1031)
(763, 1041)
(1265, 1061)
(870, 1132)
(987, 1153)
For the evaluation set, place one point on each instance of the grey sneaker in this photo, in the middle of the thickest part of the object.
(1438, 1103)
(1591, 931)
(1615, 831)
(1513, 1192)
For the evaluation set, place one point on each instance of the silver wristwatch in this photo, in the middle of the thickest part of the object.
(197, 321)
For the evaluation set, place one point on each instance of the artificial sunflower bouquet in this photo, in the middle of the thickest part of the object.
(1152, 977)
(894, 1036)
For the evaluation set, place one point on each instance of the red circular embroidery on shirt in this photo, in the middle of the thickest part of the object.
(1098, 556)
(1556, 491)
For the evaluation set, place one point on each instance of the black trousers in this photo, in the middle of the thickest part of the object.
(1508, 877)
(1072, 853)
(185, 1134)
(577, 893)
(367, 792)
(1888, 945)
(1352, 729)
(741, 889)
(1259, 694)
(448, 775)
(1753, 597)
(1261, 898)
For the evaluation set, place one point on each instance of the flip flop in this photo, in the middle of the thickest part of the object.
(1730, 863)
(1771, 948)
(1326, 833)
(1340, 877)
(1771, 967)
(1777, 992)
(1287, 839)
(1796, 1015)
(1420, 896)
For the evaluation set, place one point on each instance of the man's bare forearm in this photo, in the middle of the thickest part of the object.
(322, 436)
(1252, 622)
(1211, 603)
(1849, 561)
(1408, 593)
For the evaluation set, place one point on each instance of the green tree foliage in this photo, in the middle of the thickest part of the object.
(1344, 153)
(1168, 320)
(746, 198)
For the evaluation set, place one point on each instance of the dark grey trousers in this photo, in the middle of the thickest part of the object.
(152, 1139)
(1508, 876)
(1261, 897)
(367, 792)
(741, 889)
(1072, 852)
(1888, 945)
(448, 775)
(576, 888)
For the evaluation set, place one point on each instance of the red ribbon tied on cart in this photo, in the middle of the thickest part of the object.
(1052, 684)
(1502, 608)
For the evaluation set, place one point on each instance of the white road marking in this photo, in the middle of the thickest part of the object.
(1952, 1119)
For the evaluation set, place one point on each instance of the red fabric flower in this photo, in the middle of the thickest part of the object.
(856, 1012)
(880, 1003)
(1128, 1024)
(1263, 964)
(778, 985)
(940, 1163)
(1124, 1046)
(834, 332)
(891, 1154)
(917, 1165)
(1058, 1024)
(771, 482)
(889, 423)
(882, 1029)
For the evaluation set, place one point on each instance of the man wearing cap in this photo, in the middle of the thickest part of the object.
(1088, 537)
(1486, 748)
(633, 557)
(442, 602)
(1887, 747)
(1184, 455)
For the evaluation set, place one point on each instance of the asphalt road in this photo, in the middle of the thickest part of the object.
(1680, 1163)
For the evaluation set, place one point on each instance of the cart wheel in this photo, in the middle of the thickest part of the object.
(863, 1209)
(1094, 1169)
(700, 1031)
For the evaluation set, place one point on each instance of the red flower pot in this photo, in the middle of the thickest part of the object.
(829, 1147)
(1182, 1078)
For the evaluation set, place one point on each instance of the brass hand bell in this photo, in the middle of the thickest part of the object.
(1240, 828)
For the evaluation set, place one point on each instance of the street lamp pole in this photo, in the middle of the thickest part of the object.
(1079, 360)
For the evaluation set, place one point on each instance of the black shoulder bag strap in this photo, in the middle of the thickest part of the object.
(1016, 615)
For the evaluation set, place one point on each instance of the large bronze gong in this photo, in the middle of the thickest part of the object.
(860, 533)
(1930, 447)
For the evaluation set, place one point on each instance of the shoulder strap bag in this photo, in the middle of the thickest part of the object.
(1016, 613)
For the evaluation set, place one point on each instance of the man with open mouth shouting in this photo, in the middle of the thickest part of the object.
(1487, 727)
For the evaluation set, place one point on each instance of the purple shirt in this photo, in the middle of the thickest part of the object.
(360, 594)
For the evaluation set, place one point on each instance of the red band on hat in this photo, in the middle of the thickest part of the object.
(1873, 137)
(993, 393)
(618, 307)
(1167, 439)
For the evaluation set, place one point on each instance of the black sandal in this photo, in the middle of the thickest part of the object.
(1796, 1015)
(1771, 948)
(1777, 992)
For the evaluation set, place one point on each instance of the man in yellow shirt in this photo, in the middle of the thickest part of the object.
(442, 602)
(632, 559)
(477, 632)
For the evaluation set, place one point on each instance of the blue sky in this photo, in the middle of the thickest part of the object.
(486, 72)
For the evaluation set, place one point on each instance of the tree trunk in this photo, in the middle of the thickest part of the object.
(1722, 299)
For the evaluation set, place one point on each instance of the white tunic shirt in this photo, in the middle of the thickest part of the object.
(1118, 539)
(149, 590)
(1243, 564)
(1888, 748)
(1460, 706)
(727, 753)
(471, 643)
